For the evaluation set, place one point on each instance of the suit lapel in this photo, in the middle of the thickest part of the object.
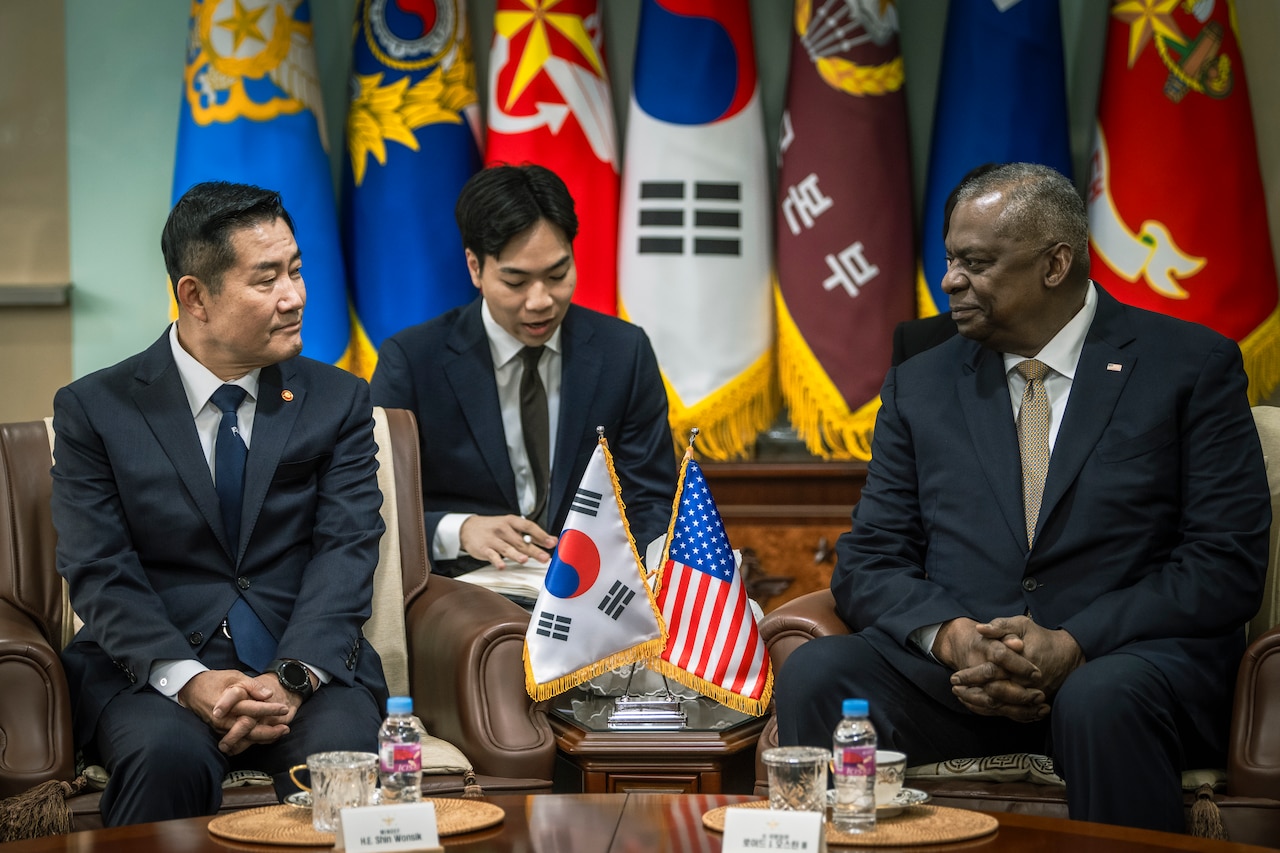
(984, 399)
(1101, 374)
(470, 373)
(161, 399)
(579, 375)
(273, 422)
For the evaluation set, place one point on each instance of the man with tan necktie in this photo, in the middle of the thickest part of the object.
(1063, 530)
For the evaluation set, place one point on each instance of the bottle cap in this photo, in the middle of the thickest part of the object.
(854, 708)
(400, 705)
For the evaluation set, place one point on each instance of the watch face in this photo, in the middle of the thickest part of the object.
(294, 676)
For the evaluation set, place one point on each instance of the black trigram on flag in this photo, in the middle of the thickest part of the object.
(665, 216)
(553, 626)
(586, 502)
(616, 600)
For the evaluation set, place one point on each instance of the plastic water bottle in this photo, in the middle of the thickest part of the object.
(854, 750)
(400, 754)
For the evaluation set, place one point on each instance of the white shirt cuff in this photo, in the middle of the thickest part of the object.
(170, 676)
(448, 542)
(924, 637)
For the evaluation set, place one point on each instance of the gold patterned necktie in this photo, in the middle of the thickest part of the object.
(1033, 440)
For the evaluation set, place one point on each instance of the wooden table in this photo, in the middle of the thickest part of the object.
(701, 759)
(634, 823)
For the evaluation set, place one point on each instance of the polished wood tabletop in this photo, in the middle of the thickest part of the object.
(633, 823)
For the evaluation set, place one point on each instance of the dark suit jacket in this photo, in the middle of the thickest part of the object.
(140, 533)
(1153, 529)
(443, 372)
(915, 336)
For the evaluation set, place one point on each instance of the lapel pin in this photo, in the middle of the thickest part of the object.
(1114, 367)
(286, 395)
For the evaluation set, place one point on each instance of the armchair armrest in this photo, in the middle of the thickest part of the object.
(466, 665)
(36, 743)
(1253, 755)
(798, 621)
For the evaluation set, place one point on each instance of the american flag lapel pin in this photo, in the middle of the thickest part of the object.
(286, 395)
(1114, 366)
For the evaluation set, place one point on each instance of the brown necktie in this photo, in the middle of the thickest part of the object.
(1033, 440)
(537, 430)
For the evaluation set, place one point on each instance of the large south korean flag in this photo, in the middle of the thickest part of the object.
(694, 242)
(595, 611)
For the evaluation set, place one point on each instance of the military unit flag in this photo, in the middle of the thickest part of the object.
(1002, 98)
(596, 611)
(694, 240)
(713, 643)
(412, 128)
(1177, 216)
(549, 103)
(844, 222)
(252, 113)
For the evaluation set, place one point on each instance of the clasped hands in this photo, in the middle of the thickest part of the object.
(498, 538)
(245, 709)
(1008, 667)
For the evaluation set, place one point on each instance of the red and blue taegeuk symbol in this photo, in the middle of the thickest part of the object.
(574, 566)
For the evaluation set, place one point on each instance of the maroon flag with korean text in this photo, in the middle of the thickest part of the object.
(845, 230)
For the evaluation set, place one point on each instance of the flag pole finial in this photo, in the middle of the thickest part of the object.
(693, 436)
(599, 432)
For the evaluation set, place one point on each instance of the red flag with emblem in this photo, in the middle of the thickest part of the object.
(549, 103)
(1177, 216)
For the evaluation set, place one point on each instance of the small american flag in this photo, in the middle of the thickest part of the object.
(713, 643)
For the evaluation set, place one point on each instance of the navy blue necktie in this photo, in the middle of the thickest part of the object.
(254, 644)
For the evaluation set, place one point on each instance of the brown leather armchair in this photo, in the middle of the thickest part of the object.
(1249, 802)
(463, 658)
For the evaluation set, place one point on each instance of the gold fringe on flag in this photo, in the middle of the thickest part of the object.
(639, 652)
(818, 410)
(361, 356)
(730, 418)
(736, 701)
(1261, 351)
(925, 306)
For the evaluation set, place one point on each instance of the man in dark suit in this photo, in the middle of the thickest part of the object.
(216, 504)
(490, 495)
(1084, 595)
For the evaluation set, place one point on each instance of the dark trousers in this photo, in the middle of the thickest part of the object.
(1115, 731)
(164, 760)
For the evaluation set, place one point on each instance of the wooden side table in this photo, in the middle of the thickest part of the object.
(714, 755)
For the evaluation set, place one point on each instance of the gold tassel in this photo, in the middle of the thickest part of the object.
(471, 789)
(1206, 819)
(1261, 351)
(729, 418)
(39, 811)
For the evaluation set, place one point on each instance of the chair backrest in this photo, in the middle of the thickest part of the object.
(28, 574)
(1267, 420)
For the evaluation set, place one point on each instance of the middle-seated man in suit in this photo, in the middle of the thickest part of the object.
(502, 452)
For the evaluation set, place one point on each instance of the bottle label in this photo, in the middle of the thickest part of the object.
(856, 761)
(401, 757)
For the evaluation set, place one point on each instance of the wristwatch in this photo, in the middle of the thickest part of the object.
(294, 676)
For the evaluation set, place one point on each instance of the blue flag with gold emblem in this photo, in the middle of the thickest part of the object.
(1002, 98)
(412, 145)
(252, 113)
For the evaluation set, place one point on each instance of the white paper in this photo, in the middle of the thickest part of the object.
(753, 830)
(407, 826)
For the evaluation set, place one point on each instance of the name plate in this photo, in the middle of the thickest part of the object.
(752, 830)
(407, 826)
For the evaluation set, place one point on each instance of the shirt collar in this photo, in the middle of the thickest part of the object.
(503, 346)
(1062, 353)
(198, 381)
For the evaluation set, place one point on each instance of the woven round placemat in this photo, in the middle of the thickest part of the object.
(916, 825)
(291, 826)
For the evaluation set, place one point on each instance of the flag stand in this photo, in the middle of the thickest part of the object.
(657, 712)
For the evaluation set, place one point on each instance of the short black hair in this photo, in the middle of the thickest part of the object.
(502, 201)
(197, 235)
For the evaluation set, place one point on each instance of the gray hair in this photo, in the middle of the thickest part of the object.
(1041, 207)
